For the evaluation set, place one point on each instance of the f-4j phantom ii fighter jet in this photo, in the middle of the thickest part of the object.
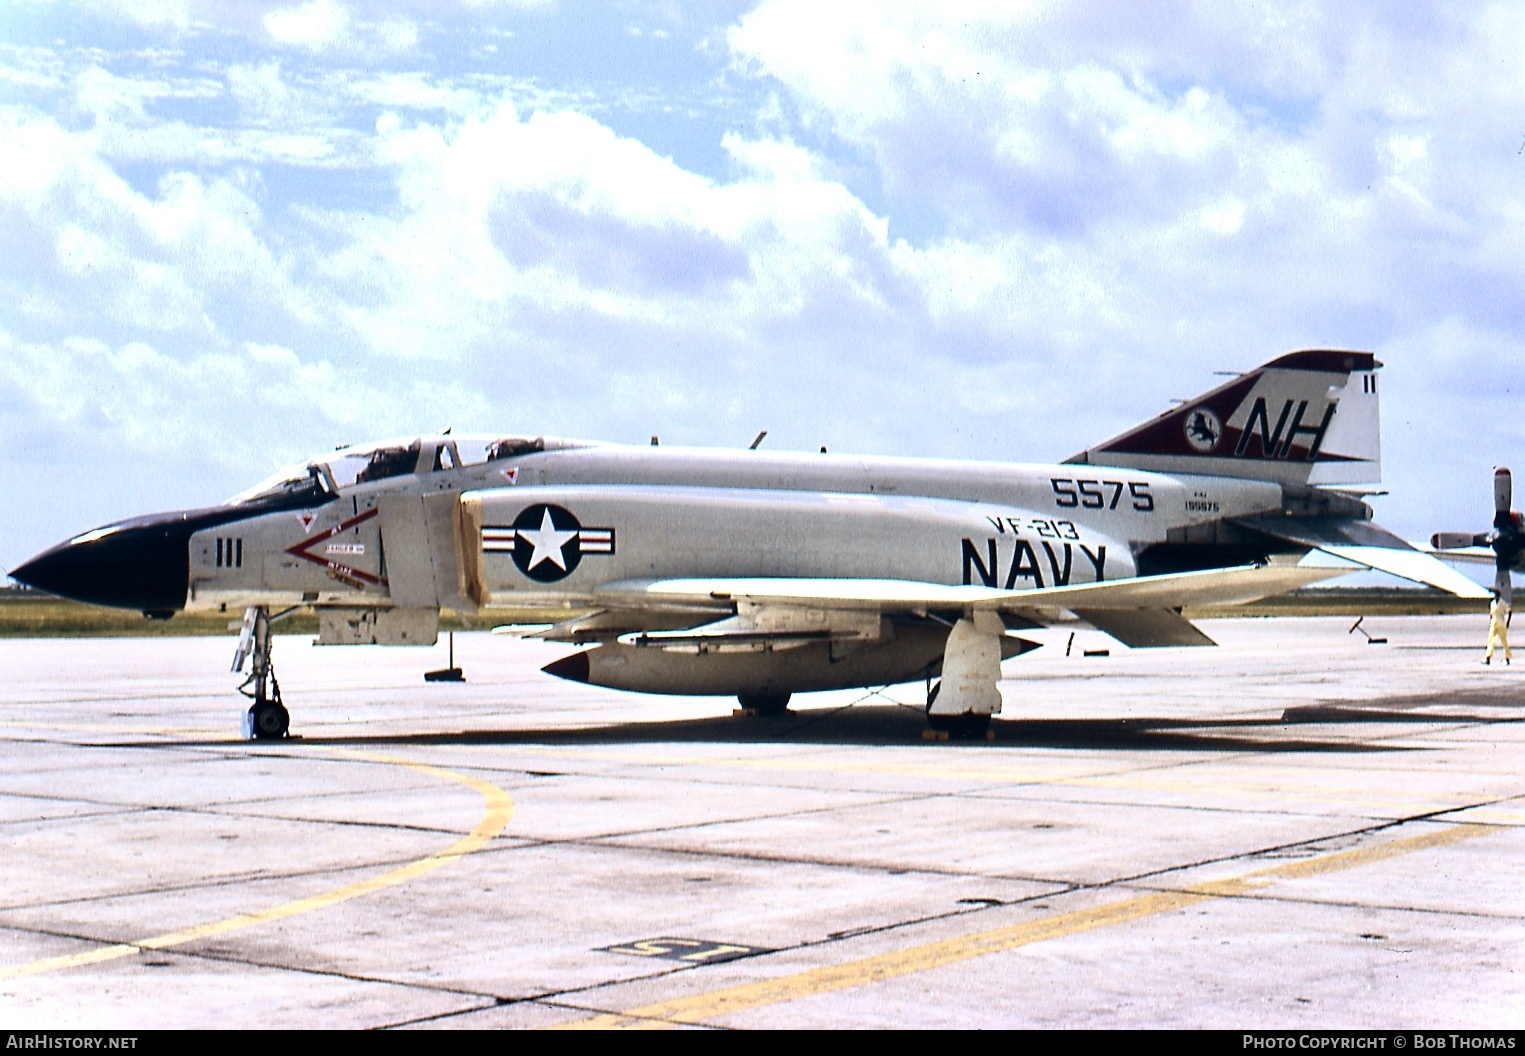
(761, 574)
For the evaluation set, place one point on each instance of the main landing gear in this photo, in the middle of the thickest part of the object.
(763, 705)
(962, 702)
(968, 726)
(268, 719)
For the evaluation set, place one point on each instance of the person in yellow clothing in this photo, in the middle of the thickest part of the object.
(1498, 630)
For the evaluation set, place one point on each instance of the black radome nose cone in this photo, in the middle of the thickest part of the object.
(142, 565)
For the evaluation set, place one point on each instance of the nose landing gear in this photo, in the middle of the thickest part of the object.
(267, 719)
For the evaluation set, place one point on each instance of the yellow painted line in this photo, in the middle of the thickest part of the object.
(499, 809)
(699, 1008)
(1329, 863)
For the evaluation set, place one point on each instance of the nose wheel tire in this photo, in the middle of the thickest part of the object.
(270, 721)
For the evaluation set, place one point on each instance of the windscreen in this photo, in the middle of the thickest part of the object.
(297, 485)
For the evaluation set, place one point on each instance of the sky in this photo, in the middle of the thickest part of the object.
(236, 234)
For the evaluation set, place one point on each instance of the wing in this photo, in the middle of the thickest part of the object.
(1223, 586)
(778, 613)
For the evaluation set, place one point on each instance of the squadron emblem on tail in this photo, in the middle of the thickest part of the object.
(1203, 430)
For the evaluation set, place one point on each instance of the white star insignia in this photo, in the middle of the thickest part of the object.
(548, 541)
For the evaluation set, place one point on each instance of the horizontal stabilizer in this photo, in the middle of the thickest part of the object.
(1366, 544)
(1413, 566)
(1145, 628)
(1322, 532)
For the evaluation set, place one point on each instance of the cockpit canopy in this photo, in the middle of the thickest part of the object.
(320, 479)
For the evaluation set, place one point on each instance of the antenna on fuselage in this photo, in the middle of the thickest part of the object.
(759, 440)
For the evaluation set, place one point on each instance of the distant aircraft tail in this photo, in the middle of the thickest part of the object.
(1305, 418)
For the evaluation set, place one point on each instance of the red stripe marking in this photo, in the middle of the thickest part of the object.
(335, 568)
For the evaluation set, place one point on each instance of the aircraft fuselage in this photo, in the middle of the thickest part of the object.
(550, 527)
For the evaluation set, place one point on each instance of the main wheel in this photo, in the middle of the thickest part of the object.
(970, 726)
(768, 704)
(271, 721)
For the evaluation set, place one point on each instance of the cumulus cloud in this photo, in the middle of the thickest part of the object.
(189, 257)
(998, 118)
(507, 217)
(316, 24)
(1246, 183)
(327, 26)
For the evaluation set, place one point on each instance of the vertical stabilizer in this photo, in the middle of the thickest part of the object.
(1305, 418)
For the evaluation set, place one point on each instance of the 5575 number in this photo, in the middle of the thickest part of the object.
(1101, 494)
